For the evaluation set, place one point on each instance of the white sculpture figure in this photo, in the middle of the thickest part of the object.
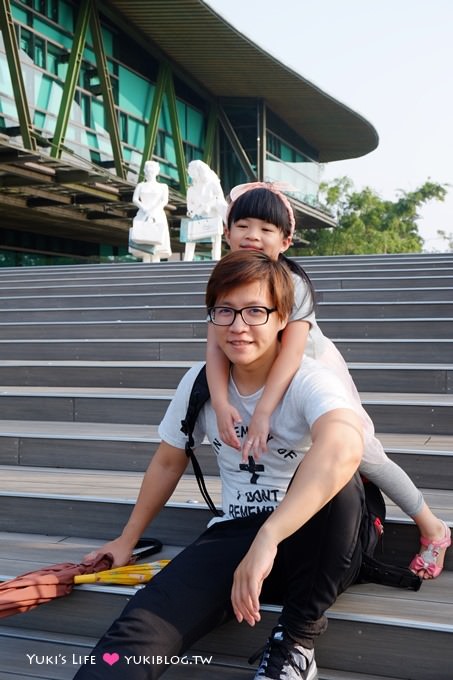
(150, 235)
(205, 199)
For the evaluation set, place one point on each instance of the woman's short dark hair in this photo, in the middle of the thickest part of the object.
(244, 267)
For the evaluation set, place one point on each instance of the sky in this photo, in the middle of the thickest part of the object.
(392, 62)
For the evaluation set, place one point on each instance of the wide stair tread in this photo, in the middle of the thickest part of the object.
(108, 486)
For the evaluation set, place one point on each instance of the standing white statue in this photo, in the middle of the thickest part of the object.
(206, 208)
(149, 237)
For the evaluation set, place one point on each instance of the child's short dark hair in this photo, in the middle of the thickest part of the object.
(244, 267)
(261, 204)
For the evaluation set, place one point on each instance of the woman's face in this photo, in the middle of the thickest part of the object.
(253, 234)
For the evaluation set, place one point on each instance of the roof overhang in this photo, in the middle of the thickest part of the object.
(225, 63)
(65, 198)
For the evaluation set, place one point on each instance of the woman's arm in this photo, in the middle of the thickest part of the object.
(161, 478)
(136, 196)
(327, 467)
(218, 374)
(294, 339)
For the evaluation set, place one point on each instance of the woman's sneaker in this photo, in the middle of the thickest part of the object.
(285, 659)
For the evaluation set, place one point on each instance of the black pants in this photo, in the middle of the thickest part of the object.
(191, 596)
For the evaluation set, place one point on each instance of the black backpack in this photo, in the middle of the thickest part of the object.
(372, 529)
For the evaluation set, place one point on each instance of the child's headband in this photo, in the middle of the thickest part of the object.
(243, 188)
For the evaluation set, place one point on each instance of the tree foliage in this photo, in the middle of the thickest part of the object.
(369, 224)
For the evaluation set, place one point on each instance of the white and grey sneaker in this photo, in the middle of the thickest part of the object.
(285, 659)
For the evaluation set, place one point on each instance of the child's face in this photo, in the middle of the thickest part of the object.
(254, 234)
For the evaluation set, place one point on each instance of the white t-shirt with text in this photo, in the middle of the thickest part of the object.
(256, 486)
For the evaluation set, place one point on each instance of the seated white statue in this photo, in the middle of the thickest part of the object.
(150, 224)
(205, 199)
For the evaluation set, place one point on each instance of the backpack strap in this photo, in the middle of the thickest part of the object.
(198, 397)
(374, 571)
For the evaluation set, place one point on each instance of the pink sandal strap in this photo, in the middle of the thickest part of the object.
(427, 560)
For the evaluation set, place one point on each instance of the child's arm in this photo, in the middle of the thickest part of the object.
(218, 373)
(294, 339)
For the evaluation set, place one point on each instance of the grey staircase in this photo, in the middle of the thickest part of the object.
(89, 358)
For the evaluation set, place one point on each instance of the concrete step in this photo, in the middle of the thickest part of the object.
(388, 294)
(197, 283)
(378, 377)
(178, 298)
(370, 627)
(180, 328)
(321, 268)
(194, 349)
(96, 504)
(391, 412)
(109, 446)
(384, 265)
(74, 648)
(104, 311)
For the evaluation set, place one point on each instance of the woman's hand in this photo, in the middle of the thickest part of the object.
(119, 548)
(258, 432)
(227, 418)
(249, 576)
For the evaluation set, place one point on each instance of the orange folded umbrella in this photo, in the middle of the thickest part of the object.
(43, 585)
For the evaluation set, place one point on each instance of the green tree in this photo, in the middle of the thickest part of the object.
(369, 224)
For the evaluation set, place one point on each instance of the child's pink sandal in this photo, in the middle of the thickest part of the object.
(427, 560)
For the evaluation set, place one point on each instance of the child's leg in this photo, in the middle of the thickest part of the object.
(399, 487)
(376, 465)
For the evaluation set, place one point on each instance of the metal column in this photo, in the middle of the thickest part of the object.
(12, 56)
(72, 76)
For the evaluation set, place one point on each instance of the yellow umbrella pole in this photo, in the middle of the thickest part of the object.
(131, 574)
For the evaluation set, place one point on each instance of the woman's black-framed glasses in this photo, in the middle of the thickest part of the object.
(252, 316)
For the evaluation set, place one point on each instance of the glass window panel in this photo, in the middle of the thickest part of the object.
(136, 133)
(164, 118)
(66, 15)
(97, 114)
(43, 87)
(39, 120)
(286, 153)
(195, 127)
(107, 39)
(52, 11)
(123, 127)
(39, 56)
(103, 143)
(169, 150)
(40, 6)
(89, 56)
(6, 86)
(135, 93)
(19, 14)
(181, 113)
(52, 32)
(26, 42)
(76, 113)
(92, 140)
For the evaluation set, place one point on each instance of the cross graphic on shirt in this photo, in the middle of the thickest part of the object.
(253, 468)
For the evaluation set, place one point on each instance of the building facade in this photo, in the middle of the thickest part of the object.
(90, 90)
